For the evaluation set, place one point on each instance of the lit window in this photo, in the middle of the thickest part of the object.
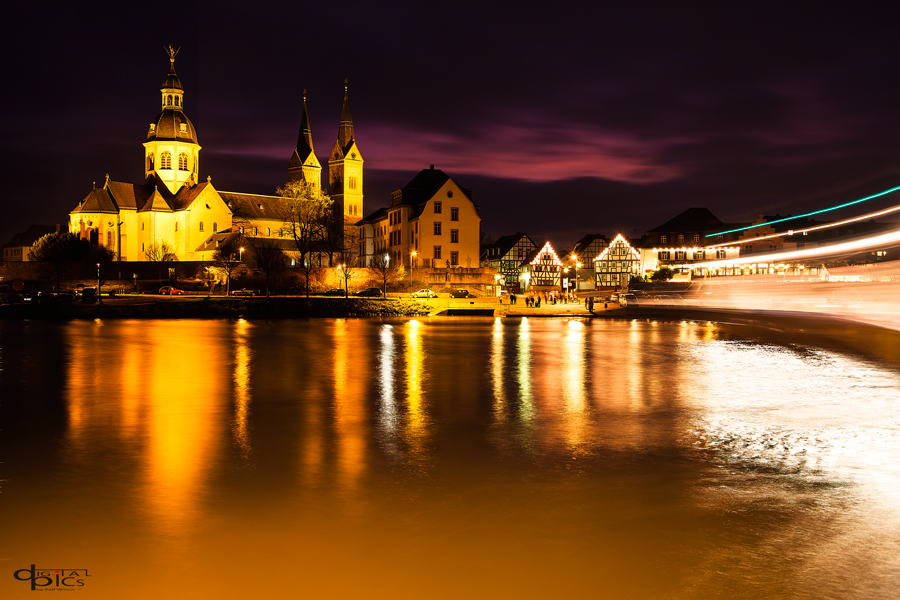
(720, 254)
(165, 160)
(454, 213)
(182, 162)
(268, 231)
(169, 101)
(255, 230)
(437, 228)
(176, 100)
(663, 255)
(215, 228)
(662, 239)
(437, 207)
(201, 225)
(182, 128)
(454, 236)
(696, 239)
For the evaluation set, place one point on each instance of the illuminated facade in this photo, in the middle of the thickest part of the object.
(617, 265)
(173, 207)
(510, 255)
(545, 269)
(432, 222)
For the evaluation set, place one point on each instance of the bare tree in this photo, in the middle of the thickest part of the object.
(160, 252)
(227, 258)
(385, 270)
(307, 213)
(270, 258)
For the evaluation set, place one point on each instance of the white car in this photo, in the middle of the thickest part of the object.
(426, 293)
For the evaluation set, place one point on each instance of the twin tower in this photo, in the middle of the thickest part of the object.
(345, 165)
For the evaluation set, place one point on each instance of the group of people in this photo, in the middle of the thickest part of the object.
(534, 299)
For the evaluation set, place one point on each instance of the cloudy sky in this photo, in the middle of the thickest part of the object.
(563, 118)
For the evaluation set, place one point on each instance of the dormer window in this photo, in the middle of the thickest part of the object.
(183, 128)
(152, 126)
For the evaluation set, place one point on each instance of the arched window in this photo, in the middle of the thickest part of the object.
(169, 100)
(268, 231)
(176, 100)
(176, 225)
(201, 225)
(165, 160)
(255, 231)
(242, 230)
(182, 162)
(109, 240)
(150, 162)
(215, 228)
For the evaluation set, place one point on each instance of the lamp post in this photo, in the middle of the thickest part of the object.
(343, 271)
(411, 255)
(241, 256)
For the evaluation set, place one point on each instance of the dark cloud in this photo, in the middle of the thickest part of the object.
(573, 118)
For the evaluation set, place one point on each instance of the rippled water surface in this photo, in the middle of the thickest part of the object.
(445, 458)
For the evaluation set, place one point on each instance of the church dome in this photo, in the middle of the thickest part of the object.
(172, 124)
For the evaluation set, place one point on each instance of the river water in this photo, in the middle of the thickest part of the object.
(444, 458)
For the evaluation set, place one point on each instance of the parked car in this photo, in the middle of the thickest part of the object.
(168, 290)
(426, 293)
(372, 292)
(626, 299)
(461, 293)
(336, 292)
(243, 292)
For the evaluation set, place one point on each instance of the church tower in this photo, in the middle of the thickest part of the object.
(345, 169)
(171, 152)
(304, 164)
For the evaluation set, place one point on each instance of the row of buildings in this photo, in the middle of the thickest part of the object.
(431, 223)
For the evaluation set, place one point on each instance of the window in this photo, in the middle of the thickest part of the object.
(201, 225)
(176, 225)
(142, 226)
(454, 213)
(109, 239)
(150, 162)
(176, 100)
(454, 236)
(700, 255)
(662, 239)
(142, 247)
(454, 258)
(664, 255)
(169, 100)
(182, 128)
(353, 183)
(679, 255)
(720, 254)
(437, 207)
(241, 230)
(437, 228)
(696, 239)
(437, 252)
(268, 231)
(215, 228)
(255, 230)
(680, 240)
(165, 160)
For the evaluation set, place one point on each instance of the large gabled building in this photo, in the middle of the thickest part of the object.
(510, 255)
(431, 222)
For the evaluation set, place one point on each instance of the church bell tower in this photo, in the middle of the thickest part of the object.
(345, 169)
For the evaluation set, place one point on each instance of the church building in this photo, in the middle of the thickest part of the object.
(174, 207)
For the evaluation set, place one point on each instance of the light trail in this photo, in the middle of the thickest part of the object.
(887, 239)
(870, 215)
(824, 210)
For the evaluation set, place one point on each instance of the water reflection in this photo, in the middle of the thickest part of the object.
(242, 355)
(416, 446)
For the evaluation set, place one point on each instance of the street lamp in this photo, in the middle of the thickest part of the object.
(411, 255)
(241, 258)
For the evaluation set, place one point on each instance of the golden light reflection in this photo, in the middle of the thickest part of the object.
(417, 416)
(526, 396)
(386, 396)
(183, 419)
(572, 357)
(497, 366)
(242, 396)
(349, 408)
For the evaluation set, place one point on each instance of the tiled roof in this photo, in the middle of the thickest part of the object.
(30, 236)
(97, 201)
(693, 219)
(255, 206)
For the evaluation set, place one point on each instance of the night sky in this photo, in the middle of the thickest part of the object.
(563, 118)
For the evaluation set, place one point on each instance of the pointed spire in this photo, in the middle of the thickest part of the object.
(345, 130)
(305, 137)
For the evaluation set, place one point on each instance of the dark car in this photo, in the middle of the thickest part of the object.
(170, 291)
(335, 292)
(372, 292)
(461, 293)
